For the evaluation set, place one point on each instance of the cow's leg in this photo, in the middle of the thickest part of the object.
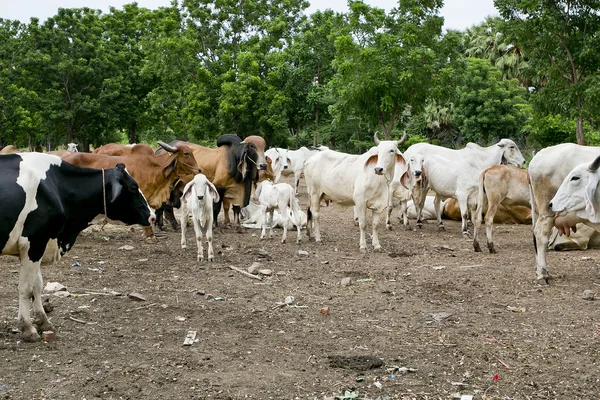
(270, 214)
(376, 219)
(226, 207)
(160, 224)
(419, 196)
(404, 214)
(361, 211)
(198, 234)
(170, 216)
(29, 279)
(355, 216)
(284, 218)
(183, 223)
(297, 176)
(477, 225)
(209, 240)
(489, 223)
(263, 232)
(314, 210)
(541, 231)
(217, 207)
(464, 214)
(237, 211)
(438, 212)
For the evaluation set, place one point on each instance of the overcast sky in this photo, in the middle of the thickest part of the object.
(458, 14)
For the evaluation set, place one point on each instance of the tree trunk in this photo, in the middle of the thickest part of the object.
(316, 133)
(69, 132)
(579, 134)
(133, 132)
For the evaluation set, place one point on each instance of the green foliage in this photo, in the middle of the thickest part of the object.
(548, 130)
(487, 107)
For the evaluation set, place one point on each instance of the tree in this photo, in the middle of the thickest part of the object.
(561, 38)
(385, 64)
(487, 107)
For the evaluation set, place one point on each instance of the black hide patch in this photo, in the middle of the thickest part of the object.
(13, 195)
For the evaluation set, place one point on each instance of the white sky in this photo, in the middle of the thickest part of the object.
(458, 14)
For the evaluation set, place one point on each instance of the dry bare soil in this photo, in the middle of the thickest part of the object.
(427, 318)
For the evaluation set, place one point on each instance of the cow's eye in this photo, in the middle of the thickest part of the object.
(186, 155)
(392, 151)
(575, 178)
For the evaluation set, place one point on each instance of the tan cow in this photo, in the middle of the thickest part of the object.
(499, 184)
(10, 149)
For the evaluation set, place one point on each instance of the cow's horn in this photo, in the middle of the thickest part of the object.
(167, 147)
(376, 138)
(243, 141)
(399, 142)
(594, 165)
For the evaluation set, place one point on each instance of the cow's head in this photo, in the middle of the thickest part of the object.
(384, 157)
(261, 145)
(415, 173)
(577, 193)
(248, 161)
(279, 161)
(124, 199)
(72, 147)
(181, 160)
(510, 153)
(202, 188)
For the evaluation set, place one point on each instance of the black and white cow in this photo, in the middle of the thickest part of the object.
(46, 202)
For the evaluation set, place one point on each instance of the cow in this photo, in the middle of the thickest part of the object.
(232, 167)
(46, 203)
(279, 161)
(10, 149)
(253, 218)
(280, 196)
(154, 173)
(403, 185)
(198, 197)
(292, 162)
(352, 180)
(499, 184)
(503, 152)
(72, 147)
(547, 170)
(115, 149)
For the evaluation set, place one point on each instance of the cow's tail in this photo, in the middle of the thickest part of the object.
(481, 198)
(532, 203)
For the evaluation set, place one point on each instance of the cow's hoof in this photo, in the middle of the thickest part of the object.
(183, 246)
(441, 228)
(476, 247)
(363, 250)
(377, 249)
(466, 235)
(388, 227)
(45, 326)
(542, 281)
(283, 241)
(408, 227)
(30, 336)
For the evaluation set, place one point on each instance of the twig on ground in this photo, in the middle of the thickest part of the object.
(505, 364)
(79, 321)
(248, 274)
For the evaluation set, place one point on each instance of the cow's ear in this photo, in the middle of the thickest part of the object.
(289, 162)
(590, 194)
(187, 192)
(400, 158)
(213, 192)
(371, 161)
(242, 167)
(501, 144)
(170, 167)
(404, 179)
(120, 166)
(268, 160)
(423, 177)
(116, 190)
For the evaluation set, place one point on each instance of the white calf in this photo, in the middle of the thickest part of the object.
(278, 196)
(253, 218)
(198, 197)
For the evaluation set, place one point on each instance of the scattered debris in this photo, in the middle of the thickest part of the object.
(303, 253)
(62, 293)
(440, 316)
(325, 310)
(48, 336)
(190, 338)
(589, 295)
(288, 300)
(180, 318)
(516, 309)
(142, 260)
(378, 384)
(76, 264)
(505, 364)
(400, 370)
(280, 273)
(262, 253)
(439, 267)
(348, 395)
(254, 268)
(219, 299)
(47, 306)
(248, 274)
(136, 297)
(325, 262)
(266, 272)
(443, 247)
(126, 247)
(201, 292)
(359, 363)
(346, 281)
(54, 287)
(364, 280)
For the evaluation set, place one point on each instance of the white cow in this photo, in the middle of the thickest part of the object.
(403, 185)
(352, 180)
(292, 162)
(280, 196)
(197, 199)
(253, 218)
(503, 152)
(547, 170)
(72, 147)
(279, 161)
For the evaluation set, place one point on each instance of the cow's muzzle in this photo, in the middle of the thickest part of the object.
(418, 173)
(200, 197)
(262, 167)
(379, 171)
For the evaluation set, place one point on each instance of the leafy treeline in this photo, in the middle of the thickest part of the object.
(201, 68)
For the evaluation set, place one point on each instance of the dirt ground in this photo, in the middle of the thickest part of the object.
(427, 318)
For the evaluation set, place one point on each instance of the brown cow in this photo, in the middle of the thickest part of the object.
(499, 184)
(154, 173)
(232, 167)
(263, 165)
(10, 149)
(114, 149)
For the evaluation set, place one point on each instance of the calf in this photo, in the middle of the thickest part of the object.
(404, 185)
(46, 203)
(198, 196)
(280, 196)
(253, 218)
(292, 162)
(499, 184)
